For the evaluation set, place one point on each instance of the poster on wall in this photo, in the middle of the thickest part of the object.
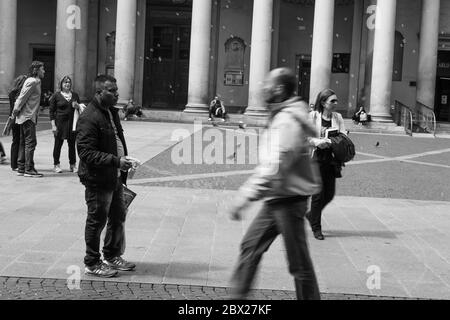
(234, 78)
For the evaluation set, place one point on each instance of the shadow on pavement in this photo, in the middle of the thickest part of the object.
(361, 233)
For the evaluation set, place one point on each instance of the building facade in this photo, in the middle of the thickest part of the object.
(179, 54)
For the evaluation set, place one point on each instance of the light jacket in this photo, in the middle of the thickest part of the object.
(28, 103)
(316, 118)
(286, 169)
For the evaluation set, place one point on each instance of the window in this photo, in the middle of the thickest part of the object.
(398, 57)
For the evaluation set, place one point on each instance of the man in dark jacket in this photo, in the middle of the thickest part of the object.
(103, 166)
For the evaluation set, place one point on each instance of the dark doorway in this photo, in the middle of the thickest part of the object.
(442, 98)
(167, 49)
(47, 56)
(442, 108)
(304, 75)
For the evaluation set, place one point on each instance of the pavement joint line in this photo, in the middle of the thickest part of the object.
(426, 164)
(191, 177)
(380, 159)
(412, 251)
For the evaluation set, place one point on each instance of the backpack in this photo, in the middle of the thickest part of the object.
(343, 148)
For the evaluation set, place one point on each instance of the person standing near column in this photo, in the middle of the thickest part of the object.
(26, 111)
(62, 107)
(324, 117)
(285, 178)
(103, 165)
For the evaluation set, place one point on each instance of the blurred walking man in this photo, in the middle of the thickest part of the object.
(285, 178)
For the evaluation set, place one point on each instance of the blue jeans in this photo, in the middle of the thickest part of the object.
(286, 217)
(105, 208)
(28, 143)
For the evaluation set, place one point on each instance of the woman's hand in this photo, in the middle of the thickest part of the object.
(324, 144)
(54, 128)
(75, 105)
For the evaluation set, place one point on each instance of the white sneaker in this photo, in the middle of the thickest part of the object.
(58, 169)
(73, 168)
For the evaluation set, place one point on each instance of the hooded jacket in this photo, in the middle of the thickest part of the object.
(286, 169)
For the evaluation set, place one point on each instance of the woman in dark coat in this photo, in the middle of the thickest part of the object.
(13, 95)
(62, 108)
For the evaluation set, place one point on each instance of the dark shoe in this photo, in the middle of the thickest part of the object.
(120, 264)
(20, 173)
(101, 270)
(33, 174)
(318, 235)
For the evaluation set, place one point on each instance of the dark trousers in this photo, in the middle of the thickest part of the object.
(2, 150)
(57, 150)
(105, 208)
(27, 146)
(15, 145)
(321, 200)
(287, 218)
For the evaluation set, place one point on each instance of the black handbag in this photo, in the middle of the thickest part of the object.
(128, 196)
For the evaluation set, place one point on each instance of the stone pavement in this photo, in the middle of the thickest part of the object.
(53, 289)
(182, 238)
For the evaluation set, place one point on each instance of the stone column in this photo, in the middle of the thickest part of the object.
(429, 41)
(370, 25)
(81, 51)
(125, 54)
(68, 19)
(8, 31)
(322, 49)
(355, 57)
(383, 60)
(200, 56)
(260, 55)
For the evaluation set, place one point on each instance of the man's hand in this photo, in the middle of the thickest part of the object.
(15, 113)
(125, 164)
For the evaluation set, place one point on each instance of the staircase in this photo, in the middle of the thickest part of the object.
(374, 127)
(443, 128)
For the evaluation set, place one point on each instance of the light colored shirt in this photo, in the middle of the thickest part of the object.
(29, 101)
(120, 148)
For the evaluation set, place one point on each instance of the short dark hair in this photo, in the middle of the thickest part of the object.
(100, 80)
(64, 79)
(286, 77)
(34, 68)
(321, 98)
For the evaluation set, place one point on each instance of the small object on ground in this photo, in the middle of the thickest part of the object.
(377, 144)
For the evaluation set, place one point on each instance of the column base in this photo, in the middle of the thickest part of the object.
(257, 112)
(382, 118)
(197, 108)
